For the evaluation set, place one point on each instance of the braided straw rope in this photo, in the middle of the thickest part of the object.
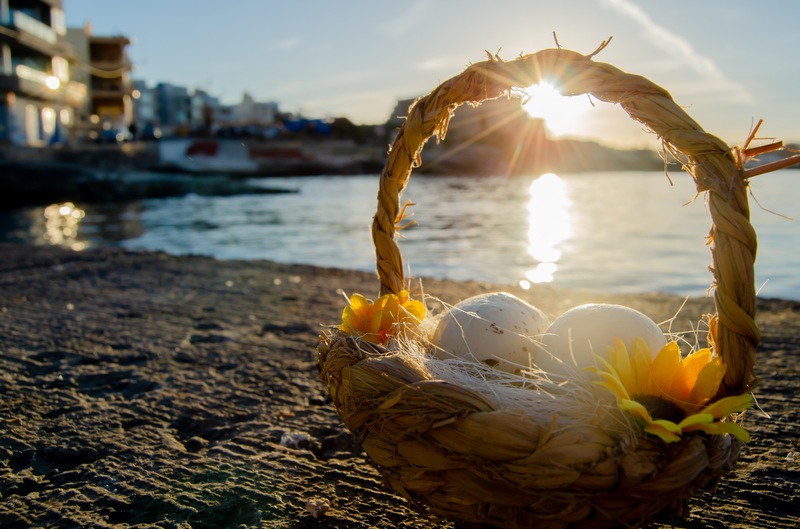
(445, 447)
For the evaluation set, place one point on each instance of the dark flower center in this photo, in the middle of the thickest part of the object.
(660, 408)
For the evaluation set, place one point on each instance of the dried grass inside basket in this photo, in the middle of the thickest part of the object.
(449, 448)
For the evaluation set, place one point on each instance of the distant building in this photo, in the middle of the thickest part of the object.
(248, 118)
(224, 116)
(203, 110)
(38, 100)
(145, 104)
(251, 112)
(174, 108)
(103, 64)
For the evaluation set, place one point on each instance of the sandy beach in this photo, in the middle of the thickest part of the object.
(151, 391)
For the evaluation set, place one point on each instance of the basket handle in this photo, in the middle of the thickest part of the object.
(710, 162)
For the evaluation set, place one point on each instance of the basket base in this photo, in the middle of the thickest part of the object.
(448, 452)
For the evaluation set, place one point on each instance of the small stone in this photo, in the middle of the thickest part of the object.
(317, 506)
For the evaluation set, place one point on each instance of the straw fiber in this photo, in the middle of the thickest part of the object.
(449, 449)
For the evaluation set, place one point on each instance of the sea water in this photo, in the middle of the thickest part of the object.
(617, 232)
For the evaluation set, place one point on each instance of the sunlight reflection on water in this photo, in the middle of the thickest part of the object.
(622, 232)
(62, 225)
(549, 224)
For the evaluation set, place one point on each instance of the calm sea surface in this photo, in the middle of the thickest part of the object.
(620, 232)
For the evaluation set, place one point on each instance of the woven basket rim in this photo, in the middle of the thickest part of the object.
(714, 167)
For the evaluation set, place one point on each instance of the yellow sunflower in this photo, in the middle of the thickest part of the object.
(668, 394)
(389, 315)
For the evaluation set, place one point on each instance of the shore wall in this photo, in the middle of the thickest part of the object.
(127, 156)
(236, 157)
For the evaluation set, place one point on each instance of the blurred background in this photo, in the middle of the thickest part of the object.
(116, 116)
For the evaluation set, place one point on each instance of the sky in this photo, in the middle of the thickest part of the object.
(727, 62)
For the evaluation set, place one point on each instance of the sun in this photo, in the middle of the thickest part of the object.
(562, 115)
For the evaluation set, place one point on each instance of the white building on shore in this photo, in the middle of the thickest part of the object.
(38, 98)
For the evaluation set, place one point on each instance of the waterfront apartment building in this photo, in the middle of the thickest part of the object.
(38, 98)
(103, 64)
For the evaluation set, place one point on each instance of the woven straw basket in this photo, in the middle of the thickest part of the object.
(447, 448)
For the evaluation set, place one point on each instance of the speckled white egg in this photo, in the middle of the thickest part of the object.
(498, 329)
(572, 340)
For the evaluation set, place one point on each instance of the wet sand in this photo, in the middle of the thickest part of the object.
(145, 390)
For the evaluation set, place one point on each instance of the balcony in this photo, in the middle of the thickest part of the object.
(37, 76)
(110, 87)
(116, 64)
(39, 84)
(75, 93)
(31, 26)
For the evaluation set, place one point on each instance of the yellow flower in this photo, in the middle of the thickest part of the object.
(670, 395)
(390, 315)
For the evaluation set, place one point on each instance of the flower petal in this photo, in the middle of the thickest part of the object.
(665, 368)
(686, 375)
(416, 309)
(621, 360)
(722, 428)
(697, 418)
(667, 425)
(357, 302)
(724, 407)
(614, 384)
(351, 320)
(376, 321)
(694, 363)
(666, 430)
(708, 381)
(606, 364)
(636, 408)
(642, 361)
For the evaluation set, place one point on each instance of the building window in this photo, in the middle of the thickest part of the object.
(48, 121)
(32, 129)
(61, 69)
(58, 21)
(66, 116)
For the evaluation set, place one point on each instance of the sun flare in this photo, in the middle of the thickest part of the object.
(549, 225)
(561, 114)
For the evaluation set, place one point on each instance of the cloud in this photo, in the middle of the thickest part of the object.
(682, 51)
(285, 44)
(431, 64)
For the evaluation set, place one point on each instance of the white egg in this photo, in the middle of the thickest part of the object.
(573, 338)
(498, 329)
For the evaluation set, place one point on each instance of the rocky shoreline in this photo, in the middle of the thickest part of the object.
(41, 183)
(151, 391)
